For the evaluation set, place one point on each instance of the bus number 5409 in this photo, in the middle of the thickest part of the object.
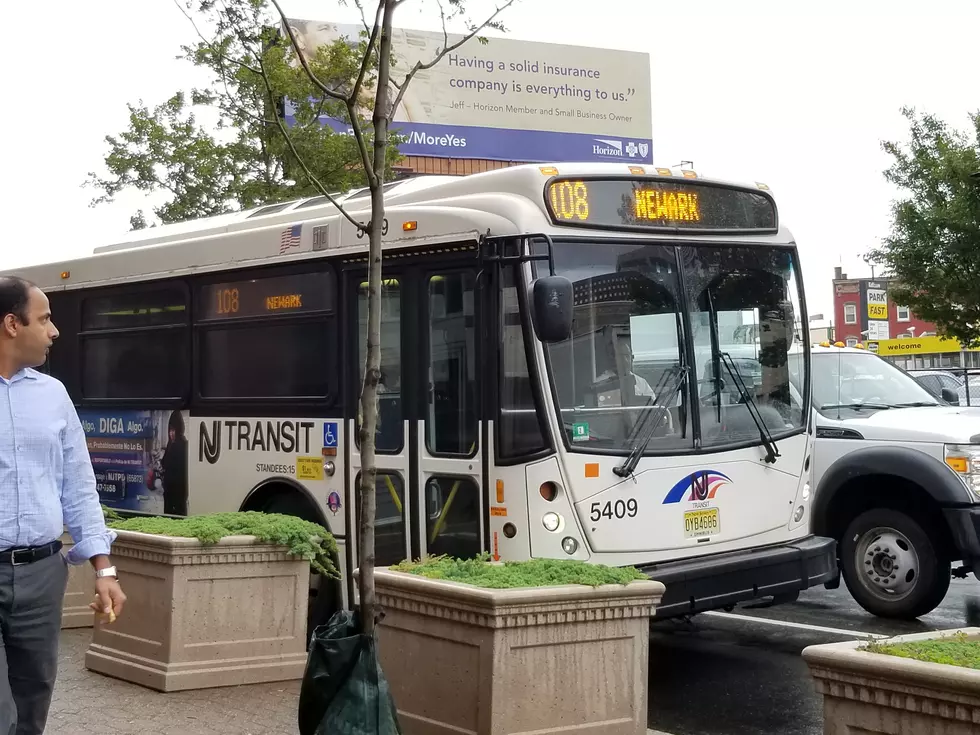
(619, 509)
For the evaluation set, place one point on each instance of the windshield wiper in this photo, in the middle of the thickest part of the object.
(880, 406)
(645, 428)
(913, 404)
(771, 451)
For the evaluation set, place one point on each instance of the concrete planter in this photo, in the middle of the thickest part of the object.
(870, 694)
(460, 658)
(202, 616)
(75, 612)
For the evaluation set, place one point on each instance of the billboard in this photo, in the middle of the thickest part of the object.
(511, 100)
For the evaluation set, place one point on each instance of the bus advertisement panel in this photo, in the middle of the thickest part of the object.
(139, 458)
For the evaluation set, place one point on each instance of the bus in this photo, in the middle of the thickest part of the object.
(557, 377)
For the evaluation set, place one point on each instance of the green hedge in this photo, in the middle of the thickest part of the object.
(304, 539)
(480, 572)
(954, 650)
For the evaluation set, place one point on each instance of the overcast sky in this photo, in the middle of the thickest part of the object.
(758, 89)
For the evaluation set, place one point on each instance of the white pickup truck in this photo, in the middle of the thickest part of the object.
(896, 474)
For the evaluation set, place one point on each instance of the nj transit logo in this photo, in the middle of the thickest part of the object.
(702, 486)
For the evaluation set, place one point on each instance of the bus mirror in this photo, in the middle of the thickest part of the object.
(552, 308)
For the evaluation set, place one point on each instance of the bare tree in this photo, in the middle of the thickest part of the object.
(376, 73)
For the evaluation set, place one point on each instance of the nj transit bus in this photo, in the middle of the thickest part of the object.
(216, 365)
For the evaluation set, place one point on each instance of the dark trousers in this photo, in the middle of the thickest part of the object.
(31, 601)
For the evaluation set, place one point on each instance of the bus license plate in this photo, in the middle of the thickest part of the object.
(702, 522)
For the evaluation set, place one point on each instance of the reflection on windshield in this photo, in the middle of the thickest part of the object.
(629, 331)
(863, 381)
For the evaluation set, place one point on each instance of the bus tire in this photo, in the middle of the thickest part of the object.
(891, 566)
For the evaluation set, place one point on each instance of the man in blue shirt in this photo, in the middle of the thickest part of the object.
(46, 483)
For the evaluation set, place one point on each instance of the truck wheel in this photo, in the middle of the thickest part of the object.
(890, 566)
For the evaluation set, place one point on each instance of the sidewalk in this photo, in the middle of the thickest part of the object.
(85, 704)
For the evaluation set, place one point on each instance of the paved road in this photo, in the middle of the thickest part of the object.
(741, 673)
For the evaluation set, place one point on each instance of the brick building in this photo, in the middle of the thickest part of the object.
(864, 311)
(449, 166)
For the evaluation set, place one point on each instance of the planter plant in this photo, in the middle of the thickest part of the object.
(921, 683)
(492, 648)
(212, 600)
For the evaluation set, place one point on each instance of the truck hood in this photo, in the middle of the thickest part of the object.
(951, 424)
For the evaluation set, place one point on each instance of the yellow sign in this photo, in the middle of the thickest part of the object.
(917, 346)
(877, 311)
(309, 468)
(877, 303)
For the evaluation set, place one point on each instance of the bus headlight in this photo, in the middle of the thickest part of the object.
(569, 545)
(551, 521)
(806, 492)
(798, 515)
(964, 460)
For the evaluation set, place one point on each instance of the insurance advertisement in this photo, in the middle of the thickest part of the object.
(139, 458)
(510, 99)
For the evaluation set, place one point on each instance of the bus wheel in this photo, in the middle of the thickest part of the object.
(891, 567)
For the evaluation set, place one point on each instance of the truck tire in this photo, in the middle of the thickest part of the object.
(891, 567)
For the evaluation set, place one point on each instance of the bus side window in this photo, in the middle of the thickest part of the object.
(452, 421)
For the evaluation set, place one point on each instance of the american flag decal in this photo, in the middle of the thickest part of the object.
(289, 238)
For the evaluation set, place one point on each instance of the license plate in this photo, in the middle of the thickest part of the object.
(702, 522)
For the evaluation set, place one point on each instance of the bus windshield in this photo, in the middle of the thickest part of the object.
(699, 336)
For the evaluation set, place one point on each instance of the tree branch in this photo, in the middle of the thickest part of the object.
(355, 92)
(361, 144)
(419, 66)
(210, 45)
(302, 59)
(299, 159)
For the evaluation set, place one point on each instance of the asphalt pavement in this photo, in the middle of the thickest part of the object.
(741, 673)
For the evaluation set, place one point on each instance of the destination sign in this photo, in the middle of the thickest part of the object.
(296, 294)
(652, 204)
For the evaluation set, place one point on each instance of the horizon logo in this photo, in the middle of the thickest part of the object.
(609, 148)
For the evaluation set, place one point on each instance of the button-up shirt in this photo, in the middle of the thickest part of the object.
(46, 476)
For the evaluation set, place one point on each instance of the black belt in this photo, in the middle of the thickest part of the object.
(29, 554)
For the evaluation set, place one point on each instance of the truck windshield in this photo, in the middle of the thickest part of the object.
(637, 323)
(857, 381)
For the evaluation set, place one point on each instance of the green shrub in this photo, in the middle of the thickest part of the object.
(304, 539)
(513, 574)
(955, 650)
(110, 515)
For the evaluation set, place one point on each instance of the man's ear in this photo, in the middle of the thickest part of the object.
(10, 325)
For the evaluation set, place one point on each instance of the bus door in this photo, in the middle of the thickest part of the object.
(429, 453)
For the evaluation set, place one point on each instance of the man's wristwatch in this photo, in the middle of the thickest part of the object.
(107, 572)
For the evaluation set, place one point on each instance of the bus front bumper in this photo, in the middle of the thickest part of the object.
(721, 580)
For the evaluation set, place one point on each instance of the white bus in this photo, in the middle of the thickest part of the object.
(216, 365)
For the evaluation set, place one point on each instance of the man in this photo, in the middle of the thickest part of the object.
(46, 482)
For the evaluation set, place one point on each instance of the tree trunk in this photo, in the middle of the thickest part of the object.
(372, 366)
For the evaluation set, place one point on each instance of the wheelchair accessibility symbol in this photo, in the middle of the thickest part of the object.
(330, 435)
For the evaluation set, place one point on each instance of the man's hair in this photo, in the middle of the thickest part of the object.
(15, 295)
